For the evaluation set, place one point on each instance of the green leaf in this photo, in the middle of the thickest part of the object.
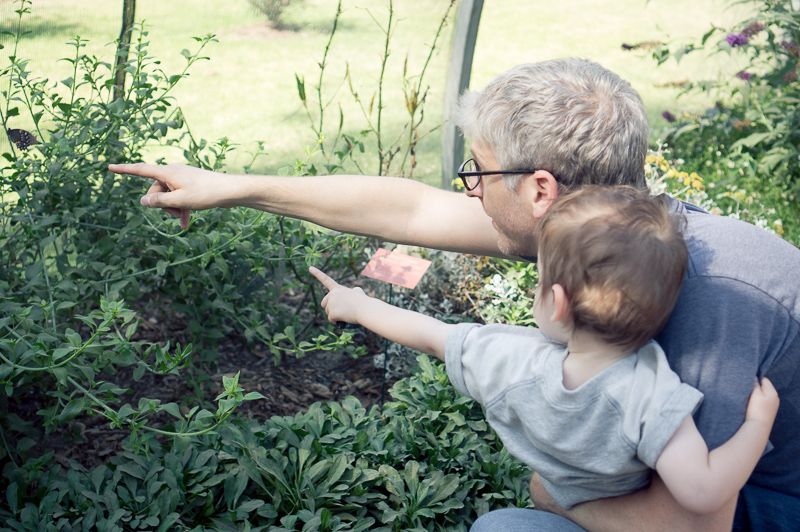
(708, 34)
(25, 444)
(61, 352)
(132, 469)
(289, 332)
(448, 505)
(72, 409)
(131, 330)
(173, 409)
(61, 375)
(338, 468)
(168, 521)
(222, 265)
(125, 412)
(203, 414)
(445, 487)
(235, 486)
(250, 506)
(252, 396)
(751, 140)
(97, 476)
(301, 87)
(12, 495)
(74, 338)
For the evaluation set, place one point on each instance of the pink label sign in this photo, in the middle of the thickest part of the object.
(396, 268)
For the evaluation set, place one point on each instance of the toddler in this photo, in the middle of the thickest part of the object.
(587, 399)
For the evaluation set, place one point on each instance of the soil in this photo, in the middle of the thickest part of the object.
(288, 388)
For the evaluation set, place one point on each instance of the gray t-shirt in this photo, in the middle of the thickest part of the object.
(599, 440)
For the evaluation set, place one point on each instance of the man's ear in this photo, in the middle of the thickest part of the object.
(542, 191)
(560, 303)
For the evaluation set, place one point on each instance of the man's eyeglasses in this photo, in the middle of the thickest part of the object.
(471, 176)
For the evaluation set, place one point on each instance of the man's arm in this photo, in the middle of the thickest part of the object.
(393, 209)
(653, 509)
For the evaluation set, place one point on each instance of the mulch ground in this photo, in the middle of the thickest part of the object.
(289, 388)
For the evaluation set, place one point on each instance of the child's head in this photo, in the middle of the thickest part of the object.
(620, 257)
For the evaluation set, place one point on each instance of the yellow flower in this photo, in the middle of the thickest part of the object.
(695, 181)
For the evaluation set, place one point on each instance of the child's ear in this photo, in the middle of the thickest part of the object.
(560, 303)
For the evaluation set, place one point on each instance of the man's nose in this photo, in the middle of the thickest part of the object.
(476, 192)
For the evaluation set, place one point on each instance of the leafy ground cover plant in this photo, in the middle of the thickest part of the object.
(425, 462)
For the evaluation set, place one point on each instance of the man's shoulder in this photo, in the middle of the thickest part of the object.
(739, 252)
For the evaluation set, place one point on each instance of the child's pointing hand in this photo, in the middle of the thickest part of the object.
(341, 303)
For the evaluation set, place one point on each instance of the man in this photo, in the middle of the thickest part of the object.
(538, 131)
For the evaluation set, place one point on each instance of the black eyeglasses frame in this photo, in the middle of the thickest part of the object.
(465, 175)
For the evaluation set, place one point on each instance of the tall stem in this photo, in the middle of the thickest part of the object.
(322, 66)
(384, 60)
(123, 46)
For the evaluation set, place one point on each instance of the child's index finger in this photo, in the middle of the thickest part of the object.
(326, 280)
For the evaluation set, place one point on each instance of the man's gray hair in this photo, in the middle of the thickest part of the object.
(572, 117)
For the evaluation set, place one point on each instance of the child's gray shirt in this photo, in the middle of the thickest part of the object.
(599, 440)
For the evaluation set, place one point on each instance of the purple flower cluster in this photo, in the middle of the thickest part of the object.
(736, 39)
(791, 48)
(743, 75)
(669, 117)
(752, 29)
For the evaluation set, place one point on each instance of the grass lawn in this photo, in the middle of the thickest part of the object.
(247, 90)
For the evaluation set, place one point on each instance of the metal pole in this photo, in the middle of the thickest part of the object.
(466, 33)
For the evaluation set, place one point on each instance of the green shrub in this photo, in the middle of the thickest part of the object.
(76, 245)
(273, 9)
(747, 145)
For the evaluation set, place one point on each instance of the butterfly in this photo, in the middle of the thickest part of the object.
(22, 138)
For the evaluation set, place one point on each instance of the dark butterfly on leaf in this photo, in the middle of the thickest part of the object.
(22, 138)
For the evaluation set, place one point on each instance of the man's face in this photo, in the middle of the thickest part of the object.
(511, 212)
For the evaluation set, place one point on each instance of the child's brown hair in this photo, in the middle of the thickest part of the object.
(621, 258)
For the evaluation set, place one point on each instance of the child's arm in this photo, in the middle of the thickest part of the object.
(703, 481)
(405, 327)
